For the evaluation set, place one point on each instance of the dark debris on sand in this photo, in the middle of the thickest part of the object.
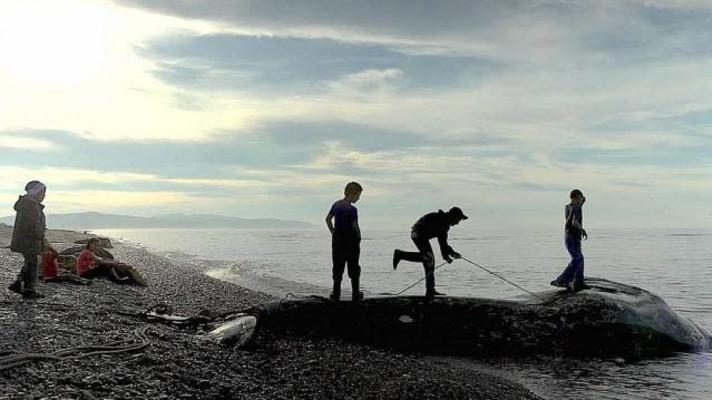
(182, 364)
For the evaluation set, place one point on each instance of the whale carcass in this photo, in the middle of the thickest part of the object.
(609, 319)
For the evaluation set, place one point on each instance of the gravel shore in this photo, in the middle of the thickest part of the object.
(181, 364)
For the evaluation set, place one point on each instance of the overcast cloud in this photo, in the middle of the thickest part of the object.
(267, 108)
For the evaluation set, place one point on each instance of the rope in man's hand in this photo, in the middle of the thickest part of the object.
(460, 257)
(503, 278)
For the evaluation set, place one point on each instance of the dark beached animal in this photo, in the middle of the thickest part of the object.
(104, 243)
(77, 249)
(609, 320)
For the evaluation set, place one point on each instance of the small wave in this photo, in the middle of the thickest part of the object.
(467, 239)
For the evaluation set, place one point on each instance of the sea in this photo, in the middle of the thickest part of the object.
(675, 264)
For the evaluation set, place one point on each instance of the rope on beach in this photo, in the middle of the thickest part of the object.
(23, 303)
(503, 278)
(16, 359)
(88, 395)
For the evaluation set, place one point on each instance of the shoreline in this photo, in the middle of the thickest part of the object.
(179, 364)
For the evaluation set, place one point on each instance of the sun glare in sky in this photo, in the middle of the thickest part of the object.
(48, 44)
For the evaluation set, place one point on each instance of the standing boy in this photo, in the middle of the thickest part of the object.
(572, 277)
(433, 225)
(28, 238)
(342, 221)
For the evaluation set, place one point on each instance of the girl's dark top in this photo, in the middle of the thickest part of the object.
(573, 214)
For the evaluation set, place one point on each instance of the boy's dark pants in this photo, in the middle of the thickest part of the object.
(28, 274)
(345, 252)
(427, 257)
(573, 271)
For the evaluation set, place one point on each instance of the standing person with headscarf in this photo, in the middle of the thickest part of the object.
(28, 238)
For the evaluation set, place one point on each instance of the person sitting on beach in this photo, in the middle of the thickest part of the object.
(52, 273)
(28, 238)
(50, 264)
(432, 225)
(345, 241)
(90, 266)
(572, 277)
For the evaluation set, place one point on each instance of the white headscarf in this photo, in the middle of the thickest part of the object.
(35, 188)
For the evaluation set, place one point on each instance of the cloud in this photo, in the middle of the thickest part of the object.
(260, 108)
(367, 18)
(71, 65)
(272, 145)
(528, 31)
(268, 64)
(16, 142)
(115, 199)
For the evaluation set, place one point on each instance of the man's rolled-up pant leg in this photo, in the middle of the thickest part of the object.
(426, 252)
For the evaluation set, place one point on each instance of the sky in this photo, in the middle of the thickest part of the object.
(268, 108)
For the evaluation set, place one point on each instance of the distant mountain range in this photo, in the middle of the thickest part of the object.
(95, 220)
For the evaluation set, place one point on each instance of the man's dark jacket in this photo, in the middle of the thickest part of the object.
(30, 225)
(435, 225)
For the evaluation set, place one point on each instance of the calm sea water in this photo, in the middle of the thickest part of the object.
(675, 264)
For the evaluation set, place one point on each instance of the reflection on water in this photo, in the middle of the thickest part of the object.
(684, 376)
(677, 265)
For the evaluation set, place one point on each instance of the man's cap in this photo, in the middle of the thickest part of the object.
(457, 212)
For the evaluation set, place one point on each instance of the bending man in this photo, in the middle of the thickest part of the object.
(432, 225)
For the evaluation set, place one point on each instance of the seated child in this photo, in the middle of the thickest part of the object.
(50, 264)
(51, 271)
(89, 265)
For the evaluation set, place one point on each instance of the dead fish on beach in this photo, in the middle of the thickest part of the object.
(230, 329)
(237, 331)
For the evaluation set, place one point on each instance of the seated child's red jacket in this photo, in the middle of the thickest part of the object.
(50, 264)
(85, 262)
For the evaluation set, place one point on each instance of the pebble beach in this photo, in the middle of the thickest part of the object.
(169, 362)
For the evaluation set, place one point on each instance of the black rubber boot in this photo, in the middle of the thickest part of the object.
(356, 293)
(17, 286)
(31, 294)
(336, 291)
(430, 281)
(557, 283)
